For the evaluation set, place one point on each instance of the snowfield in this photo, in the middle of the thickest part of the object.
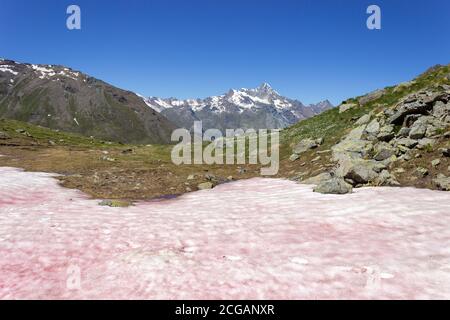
(253, 239)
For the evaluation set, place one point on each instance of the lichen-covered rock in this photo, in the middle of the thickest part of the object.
(365, 119)
(385, 178)
(435, 162)
(422, 171)
(418, 130)
(384, 151)
(294, 157)
(407, 142)
(114, 203)
(4, 136)
(346, 106)
(442, 182)
(205, 186)
(335, 185)
(318, 179)
(373, 128)
(305, 145)
(386, 133)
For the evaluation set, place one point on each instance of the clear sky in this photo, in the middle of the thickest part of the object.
(306, 49)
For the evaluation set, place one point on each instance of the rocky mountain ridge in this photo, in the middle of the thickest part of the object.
(60, 98)
(405, 143)
(257, 108)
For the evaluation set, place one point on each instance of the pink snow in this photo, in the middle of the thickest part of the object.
(252, 239)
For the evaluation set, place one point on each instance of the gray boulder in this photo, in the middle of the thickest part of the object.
(363, 120)
(373, 128)
(384, 151)
(325, 176)
(360, 171)
(346, 106)
(205, 186)
(445, 152)
(305, 145)
(371, 96)
(407, 142)
(442, 182)
(335, 185)
(385, 178)
(4, 136)
(418, 130)
(386, 133)
(404, 132)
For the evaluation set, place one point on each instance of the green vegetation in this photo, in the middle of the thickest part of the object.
(332, 125)
(43, 135)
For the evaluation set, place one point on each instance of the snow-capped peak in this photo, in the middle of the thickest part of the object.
(263, 96)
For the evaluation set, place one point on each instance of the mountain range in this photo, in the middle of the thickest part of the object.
(60, 98)
(258, 108)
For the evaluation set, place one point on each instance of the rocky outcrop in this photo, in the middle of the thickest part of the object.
(442, 182)
(303, 146)
(334, 185)
(346, 106)
(367, 152)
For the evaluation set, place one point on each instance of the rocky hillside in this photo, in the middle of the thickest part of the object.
(257, 108)
(396, 136)
(61, 98)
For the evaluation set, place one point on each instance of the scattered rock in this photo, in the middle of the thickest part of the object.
(294, 157)
(383, 151)
(305, 145)
(320, 141)
(445, 152)
(360, 171)
(385, 178)
(335, 185)
(418, 131)
(399, 170)
(51, 142)
(210, 177)
(346, 106)
(191, 177)
(422, 171)
(205, 186)
(371, 96)
(407, 142)
(426, 143)
(373, 128)
(115, 203)
(241, 170)
(318, 179)
(315, 159)
(127, 151)
(404, 132)
(24, 132)
(4, 136)
(386, 133)
(442, 182)
(105, 158)
(230, 178)
(435, 162)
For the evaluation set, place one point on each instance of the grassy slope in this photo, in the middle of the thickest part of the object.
(332, 125)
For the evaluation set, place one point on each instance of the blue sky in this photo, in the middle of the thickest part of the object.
(306, 49)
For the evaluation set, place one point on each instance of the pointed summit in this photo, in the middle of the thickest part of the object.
(265, 90)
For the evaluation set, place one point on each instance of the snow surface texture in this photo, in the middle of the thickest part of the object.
(253, 239)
